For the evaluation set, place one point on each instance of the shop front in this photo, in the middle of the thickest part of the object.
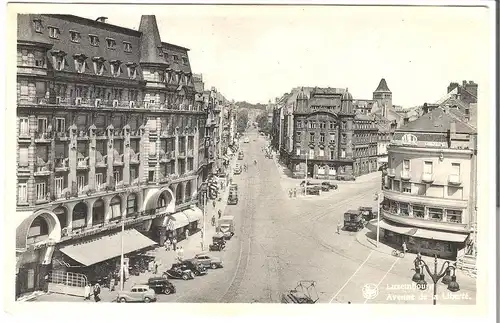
(428, 242)
(195, 218)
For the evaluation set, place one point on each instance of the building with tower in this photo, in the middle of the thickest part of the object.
(109, 131)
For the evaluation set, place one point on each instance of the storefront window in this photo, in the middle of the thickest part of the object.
(436, 214)
(418, 211)
(454, 216)
(406, 187)
(404, 209)
(395, 186)
(393, 207)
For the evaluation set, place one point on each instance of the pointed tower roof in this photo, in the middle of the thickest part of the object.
(150, 41)
(347, 96)
(302, 95)
(382, 86)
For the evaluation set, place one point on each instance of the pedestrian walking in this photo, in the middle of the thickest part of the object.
(155, 269)
(97, 291)
(187, 233)
(213, 203)
(168, 244)
(220, 213)
(339, 226)
(405, 249)
(174, 243)
(294, 192)
(213, 220)
(88, 292)
(181, 252)
(290, 193)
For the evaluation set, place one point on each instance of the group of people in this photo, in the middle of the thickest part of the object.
(96, 291)
(292, 192)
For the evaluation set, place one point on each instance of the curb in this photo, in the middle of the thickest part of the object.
(364, 241)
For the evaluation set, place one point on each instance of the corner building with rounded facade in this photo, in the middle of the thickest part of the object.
(430, 187)
(109, 129)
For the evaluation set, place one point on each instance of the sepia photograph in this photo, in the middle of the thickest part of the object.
(249, 154)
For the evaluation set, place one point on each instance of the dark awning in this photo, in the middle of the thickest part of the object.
(424, 233)
(107, 247)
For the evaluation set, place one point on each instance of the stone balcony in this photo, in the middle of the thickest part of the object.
(82, 163)
(427, 177)
(118, 160)
(454, 180)
(405, 175)
(61, 164)
(391, 172)
(42, 169)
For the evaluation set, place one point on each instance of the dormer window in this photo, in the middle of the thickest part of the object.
(80, 63)
(127, 47)
(94, 40)
(99, 65)
(160, 51)
(54, 32)
(185, 61)
(58, 60)
(75, 36)
(176, 58)
(38, 25)
(115, 68)
(132, 70)
(111, 43)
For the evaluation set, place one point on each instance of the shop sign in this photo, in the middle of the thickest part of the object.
(409, 139)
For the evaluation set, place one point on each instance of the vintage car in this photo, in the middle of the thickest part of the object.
(353, 220)
(161, 285)
(218, 242)
(233, 198)
(331, 186)
(195, 266)
(322, 186)
(209, 261)
(313, 190)
(178, 272)
(247, 140)
(241, 155)
(137, 294)
(237, 169)
(367, 213)
(233, 187)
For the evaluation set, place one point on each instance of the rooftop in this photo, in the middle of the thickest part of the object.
(437, 121)
(382, 86)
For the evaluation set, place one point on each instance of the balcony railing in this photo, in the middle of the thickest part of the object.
(43, 136)
(405, 175)
(61, 164)
(391, 172)
(454, 180)
(42, 169)
(101, 133)
(101, 161)
(182, 154)
(81, 134)
(62, 135)
(118, 160)
(427, 177)
(82, 163)
(135, 132)
(117, 132)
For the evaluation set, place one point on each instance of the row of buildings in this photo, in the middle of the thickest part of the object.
(327, 134)
(430, 184)
(112, 127)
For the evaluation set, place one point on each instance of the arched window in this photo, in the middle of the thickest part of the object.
(188, 191)
(115, 206)
(62, 216)
(98, 212)
(79, 215)
(131, 204)
(178, 194)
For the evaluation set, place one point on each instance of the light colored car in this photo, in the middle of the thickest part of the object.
(208, 261)
(247, 140)
(237, 169)
(138, 293)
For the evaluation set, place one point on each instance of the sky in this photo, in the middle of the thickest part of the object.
(256, 53)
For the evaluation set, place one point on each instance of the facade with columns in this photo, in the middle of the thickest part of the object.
(109, 129)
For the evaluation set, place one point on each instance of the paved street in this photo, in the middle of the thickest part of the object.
(281, 240)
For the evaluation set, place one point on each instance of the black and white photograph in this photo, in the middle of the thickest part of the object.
(251, 154)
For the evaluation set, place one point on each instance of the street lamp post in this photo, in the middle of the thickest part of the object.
(444, 273)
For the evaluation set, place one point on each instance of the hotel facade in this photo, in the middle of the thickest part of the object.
(110, 129)
(431, 185)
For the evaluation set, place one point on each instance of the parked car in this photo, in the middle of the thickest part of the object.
(330, 185)
(195, 266)
(237, 169)
(209, 261)
(178, 272)
(161, 285)
(353, 220)
(247, 140)
(313, 190)
(137, 294)
(233, 188)
(233, 198)
(240, 155)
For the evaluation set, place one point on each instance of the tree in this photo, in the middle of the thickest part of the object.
(241, 120)
(263, 123)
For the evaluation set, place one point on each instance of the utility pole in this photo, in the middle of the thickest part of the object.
(204, 201)
(305, 181)
(122, 274)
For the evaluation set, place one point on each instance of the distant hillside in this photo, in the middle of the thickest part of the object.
(246, 105)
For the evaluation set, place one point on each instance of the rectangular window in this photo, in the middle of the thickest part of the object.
(406, 187)
(42, 124)
(190, 164)
(406, 164)
(38, 25)
(395, 186)
(297, 136)
(99, 181)
(455, 192)
(133, 173)
(418, 189)
(94, 40)
(54, 32)
(311, 137)
(322, 137)
(185, 61)
(427, 167)
(127, 47)
(418, 211)
(454, 216)
(299, 124)
(455, 169)
(23, 157)
(175, 57)
(332, 137)
(332, 154)
(117, 176)
(342, 153)
(22, 191)
(75, 36)
(321, 152)
(344, 138)
(332, 125)
(436, 214)
(41, 193)
(311, 153)
(59, 186)
(435, 191)
(298, 151)
(60, 125)
(23, 126)
(80, 181)
(111, 43)
(404, 209)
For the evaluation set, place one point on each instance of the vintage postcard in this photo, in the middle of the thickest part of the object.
(258, 154)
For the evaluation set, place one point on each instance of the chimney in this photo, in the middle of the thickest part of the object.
(464, 83)
(102, 19)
